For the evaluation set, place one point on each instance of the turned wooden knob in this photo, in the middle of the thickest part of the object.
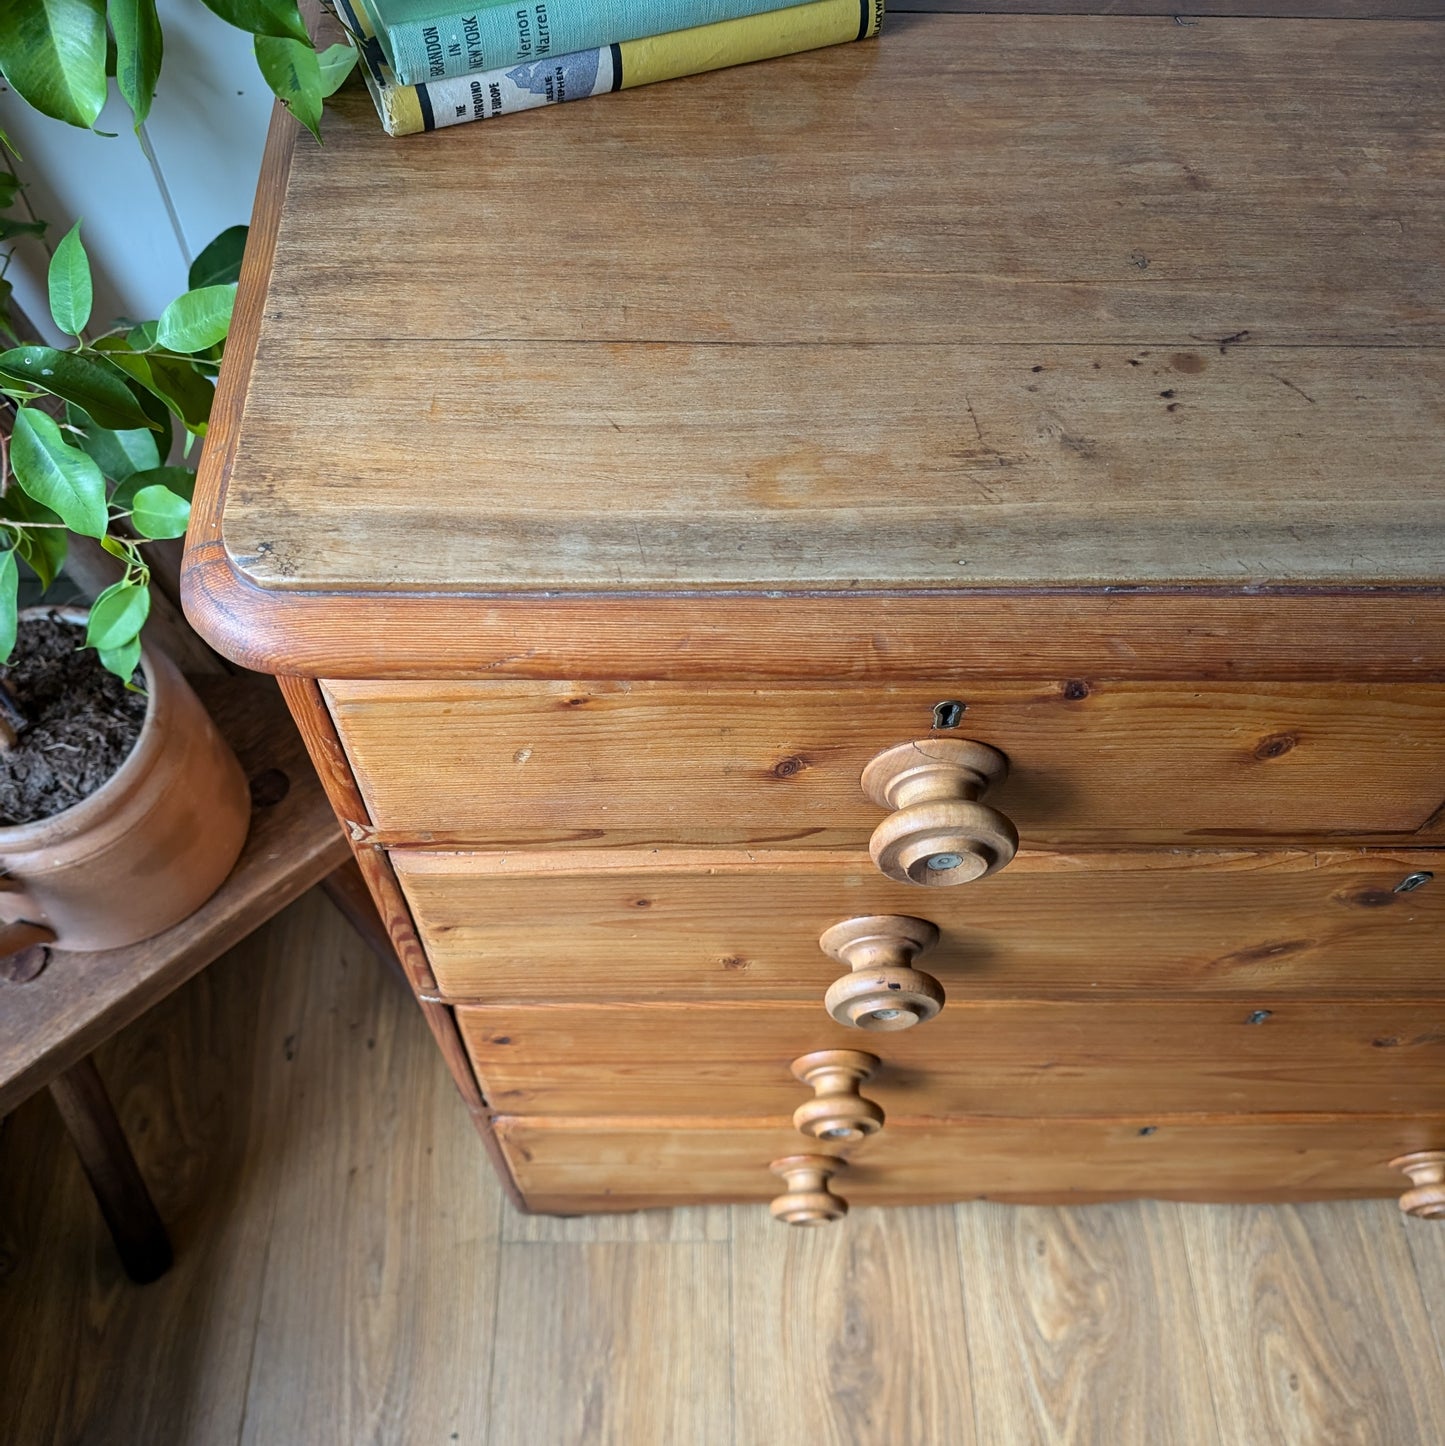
(939, 833)
(882, 992)
(837, 1113)
(1426, 1169)
(808, 1200)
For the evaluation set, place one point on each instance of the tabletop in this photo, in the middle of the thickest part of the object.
(1019, 302)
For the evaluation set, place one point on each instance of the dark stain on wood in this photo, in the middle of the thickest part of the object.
(1275, 746)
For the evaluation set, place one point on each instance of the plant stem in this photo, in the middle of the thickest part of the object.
(12, 721)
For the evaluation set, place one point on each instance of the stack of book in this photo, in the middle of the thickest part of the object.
(429, 65)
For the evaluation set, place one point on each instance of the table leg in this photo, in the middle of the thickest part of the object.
(90, 1119)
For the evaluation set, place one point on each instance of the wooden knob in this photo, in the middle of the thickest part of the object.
(939, 833)
(808, 1200)
(882, 992)
(1426, 1169)
(837, 1113)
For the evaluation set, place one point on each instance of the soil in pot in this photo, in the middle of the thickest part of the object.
(81, 723)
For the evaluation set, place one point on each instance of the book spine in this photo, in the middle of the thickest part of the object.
(407, 109)
(472, 41)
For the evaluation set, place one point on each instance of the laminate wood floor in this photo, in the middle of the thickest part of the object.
(348, 1273)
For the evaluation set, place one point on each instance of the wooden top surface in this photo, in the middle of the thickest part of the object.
(998, 300)
(79, 1000)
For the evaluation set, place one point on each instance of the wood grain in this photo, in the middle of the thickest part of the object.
(105, 1155)
(578, 1164)
(348, 1264)
(851, 1335)
(1078, 1325)
(1157, 762)
(1287, 1283)
(1183, 196)
(1046, 466)
(804, 221)
(313, 720)
(204, 1086)
(978, 1057)
(712, 924)
(57, 1018)
(1427, 1250)
(639, 1357)
(201, 1086)
(687, 1223)
(1384, 635)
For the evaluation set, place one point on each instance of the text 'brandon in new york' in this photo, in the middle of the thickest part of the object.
(534, 38)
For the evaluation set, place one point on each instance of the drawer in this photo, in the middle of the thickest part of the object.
(1009, 1057)
(644, 762)
(733, 925)
(572, 1166)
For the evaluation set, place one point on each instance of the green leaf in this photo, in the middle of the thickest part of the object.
(157, 411)
(117, 615)
(13, 226)
(117, 454)
(76, 378)
(161, 423)
(262, 17)
(10, 187)
(142, 336)
(57, 475)
(53, 55)
(159, 513)
(197, 319)
(180, 480)
(185, 393)
(122, 661)
(292, 70)
(336, 62)
(138, 45)
(9, 604)
(44, 548)
(219, 264)
(70, 289)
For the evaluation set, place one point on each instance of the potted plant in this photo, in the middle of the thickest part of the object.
(121, 808)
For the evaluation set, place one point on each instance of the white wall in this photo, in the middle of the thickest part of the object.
(149, 203)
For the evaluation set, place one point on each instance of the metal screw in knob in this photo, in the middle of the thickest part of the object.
(881, 992)
(808, 1200)
(837, 1113)
(938, 833)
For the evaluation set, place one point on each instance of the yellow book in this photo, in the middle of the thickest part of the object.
(408, 109)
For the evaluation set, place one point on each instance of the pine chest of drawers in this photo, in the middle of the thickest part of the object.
(877, 624)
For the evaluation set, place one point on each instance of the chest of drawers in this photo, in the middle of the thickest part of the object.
(877, 624)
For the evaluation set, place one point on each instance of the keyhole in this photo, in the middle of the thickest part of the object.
(947, 715)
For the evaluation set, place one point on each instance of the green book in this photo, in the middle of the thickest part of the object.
(423, 41)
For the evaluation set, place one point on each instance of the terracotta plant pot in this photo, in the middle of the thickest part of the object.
(147, 848)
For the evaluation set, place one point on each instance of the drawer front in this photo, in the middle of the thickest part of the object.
(728, 925)
(978, 1057)
(592, 1165)
(511, 761)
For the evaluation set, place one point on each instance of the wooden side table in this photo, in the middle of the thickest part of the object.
(57, 1007)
